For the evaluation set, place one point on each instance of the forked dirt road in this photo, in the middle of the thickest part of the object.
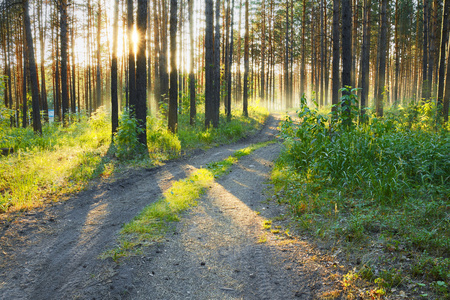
(219, 250)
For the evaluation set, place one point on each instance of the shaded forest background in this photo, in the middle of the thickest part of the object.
(75, 56)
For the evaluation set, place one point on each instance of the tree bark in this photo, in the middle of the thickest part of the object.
(141, 72)
(37, 127)
(443, 56)
(336, 56)
(365, 59)
(246, 62)
(192, 82)
(346, 52)
(114, 97)
(382, 66)
(64, 56)
(209, 63)
(131, 60)
(173, 94)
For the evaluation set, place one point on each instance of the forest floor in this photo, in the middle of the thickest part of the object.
(219, 250)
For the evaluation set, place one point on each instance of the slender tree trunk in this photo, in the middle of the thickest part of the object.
(98, 78)
(192, 82)
(230, 65)
(157, 28)
(131, 60)
(239, 48)
(246, 62)
(33, 72)
(173, 100)
(64, 56)
(216, 106)
(443, 56)
(397, 54)
(346, 51)
(322, 52)
(263, 49)
(336, 56)
(114, 97)
(382, 67)
(425, 88)
(164, 81)
(365, 59)
(141, 72)
(303, 63)
(209, 63)
(287, 94)
(42, 46)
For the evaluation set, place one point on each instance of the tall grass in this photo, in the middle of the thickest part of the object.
(384, 182)
(64, 160)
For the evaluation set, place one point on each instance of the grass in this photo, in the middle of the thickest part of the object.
(152, 224)
(64, 160)
(383, 185)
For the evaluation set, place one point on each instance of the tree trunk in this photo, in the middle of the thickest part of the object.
(216, 106)
(443, 56)
(173, 94)
(98, 77)
(42, 46)
(209, 63)
(64, 56)
(336, 56)
(382, 66)
(246, 62)
(131, 60)
(346, 52)
(263, 49)
(365, 59)
(141, 72)
(425, 88)
(192, 83)
(114, 97)
(230, 65)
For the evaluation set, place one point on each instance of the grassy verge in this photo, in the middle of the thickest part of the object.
(152, 224)
(64, 160)
(378, 193)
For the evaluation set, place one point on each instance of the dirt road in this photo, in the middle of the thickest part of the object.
(219, 250)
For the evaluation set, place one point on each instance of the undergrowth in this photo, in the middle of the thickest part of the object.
(66, 159)
(379, 189)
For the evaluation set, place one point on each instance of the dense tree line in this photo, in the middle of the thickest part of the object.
(74, 56)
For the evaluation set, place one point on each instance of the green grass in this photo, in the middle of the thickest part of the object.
(64, 160)
(153, 223)
(384, 184)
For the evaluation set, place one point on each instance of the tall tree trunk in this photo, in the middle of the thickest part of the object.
(42, 46)
(346, 52)
(425, 87)
(141, 72)
(157, 28)
(209, 63)
(173, 100)
(216, 106)
(239, 47)
(365, 59)
(98, 77)
(336, 56)
(382, 66)
(114, 97)
(230, 65)
(24, 77)
(246, 62)
(263, 49)
(64, 56)
(131, 59)
(287, 94)
(192, 82)
(397, 53)
(303, 63)
(322, 52)
(443, 56)
(164, 81)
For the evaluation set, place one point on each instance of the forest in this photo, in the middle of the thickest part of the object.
(93, 88)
